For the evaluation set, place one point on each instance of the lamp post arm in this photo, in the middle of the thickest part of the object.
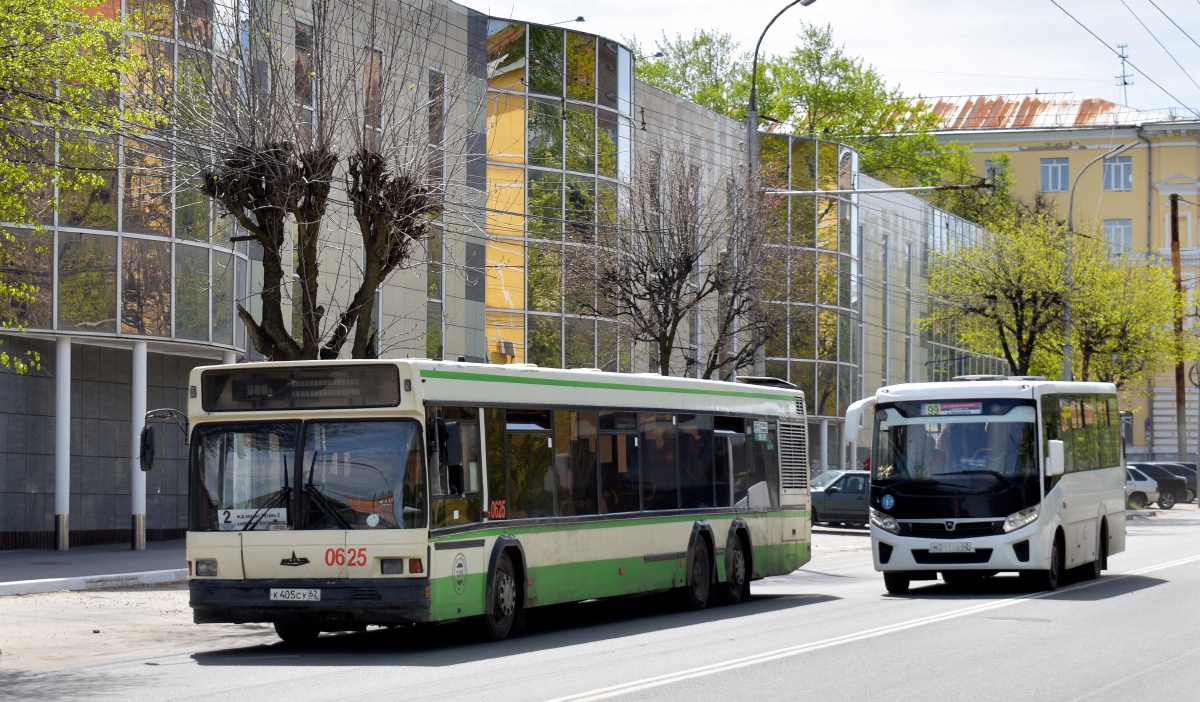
(757, 46)
(1071, 199)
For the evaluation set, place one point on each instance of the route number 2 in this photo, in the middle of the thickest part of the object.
(346, 556)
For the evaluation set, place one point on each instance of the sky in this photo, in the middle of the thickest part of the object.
(939, 47)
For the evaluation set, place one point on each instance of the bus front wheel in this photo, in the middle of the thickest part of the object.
(1048, 579)
(896, 583)
(297, 633)
(506, 613)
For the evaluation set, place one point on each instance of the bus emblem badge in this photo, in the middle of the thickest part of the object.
(949, 525)
(459, 572)
(887, 502)
(293, 561)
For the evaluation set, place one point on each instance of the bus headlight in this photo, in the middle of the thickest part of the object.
(206, 567)
(884, 521)
(1016, 520)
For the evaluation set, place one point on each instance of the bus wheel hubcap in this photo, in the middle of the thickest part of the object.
(739, 568)
(506, 595)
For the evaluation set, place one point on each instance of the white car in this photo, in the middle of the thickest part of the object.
(1140, 489)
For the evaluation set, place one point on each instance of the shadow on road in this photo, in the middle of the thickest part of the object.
(63, 684)
(1076, 589)
(462, 642)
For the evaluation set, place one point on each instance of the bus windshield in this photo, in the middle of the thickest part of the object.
(956, 447)
(342, 475)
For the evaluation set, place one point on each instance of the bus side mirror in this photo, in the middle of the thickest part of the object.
(146, 452)
(452, 447)
(1055, 461)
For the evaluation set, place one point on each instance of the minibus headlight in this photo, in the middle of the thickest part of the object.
(1016, 520)
(206, 567)
(884, 521)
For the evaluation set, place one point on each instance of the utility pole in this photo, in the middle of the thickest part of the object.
(1123, 79)
(1180, 407)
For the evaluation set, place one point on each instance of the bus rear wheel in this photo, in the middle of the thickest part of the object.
(737, 578)
(297, 633)
(694, 595)
(506, 614)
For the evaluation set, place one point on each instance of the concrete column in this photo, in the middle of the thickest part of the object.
(824, 445)
(62, 443)
(137, 479)
(228, 357)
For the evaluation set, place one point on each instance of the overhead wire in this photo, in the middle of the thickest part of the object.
(1172, 21)
(1159, 42)
(1127, 61)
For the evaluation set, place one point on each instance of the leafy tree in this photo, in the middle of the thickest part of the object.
(819, 90)
(1005, 294)
(706, 68)
(60, 67)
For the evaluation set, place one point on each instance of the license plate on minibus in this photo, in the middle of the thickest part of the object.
(288, 594)
(951, 547)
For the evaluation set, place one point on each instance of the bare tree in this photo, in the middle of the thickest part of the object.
(686, 248)
(321, 130)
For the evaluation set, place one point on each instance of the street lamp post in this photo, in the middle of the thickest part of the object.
(1067, 269)
(760, 355)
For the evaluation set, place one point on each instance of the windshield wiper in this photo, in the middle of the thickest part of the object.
(995, 474)
(318, 498)
(282, 496)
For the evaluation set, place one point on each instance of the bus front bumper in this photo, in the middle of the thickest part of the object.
(343, 601)
(1015, 551)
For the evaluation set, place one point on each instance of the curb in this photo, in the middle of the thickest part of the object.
(93, 582)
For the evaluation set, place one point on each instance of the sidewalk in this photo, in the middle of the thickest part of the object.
(29, 571)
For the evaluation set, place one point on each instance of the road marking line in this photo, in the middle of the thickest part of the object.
(777, 654)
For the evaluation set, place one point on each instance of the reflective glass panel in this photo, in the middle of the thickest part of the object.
(222, 298)
(545, 134)
(580, 342)
(506, 55)
(545, 341)
(581, 138)
(191, 292)
(581, 208)
(87, 282)
(27, 265)
(606, 143)
(544, 273)
(145, 287)
(580, 276)
(607, 74)
(581, 67)
(146, 189)
(88, 198)
(545, 204)
(546, 61)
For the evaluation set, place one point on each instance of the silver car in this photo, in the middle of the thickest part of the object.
(1140, 489)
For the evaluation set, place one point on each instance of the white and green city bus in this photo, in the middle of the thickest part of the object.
(992, 474)
(329, 496)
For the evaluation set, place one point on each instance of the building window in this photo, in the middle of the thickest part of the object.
(989, 169)
(1055, 173)
(435, 285)
(1118, 173)
(1119, 235)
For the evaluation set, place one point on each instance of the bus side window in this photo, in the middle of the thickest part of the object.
(454, 457)
(493, 427)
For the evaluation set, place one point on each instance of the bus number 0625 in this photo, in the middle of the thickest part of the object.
(346, 556)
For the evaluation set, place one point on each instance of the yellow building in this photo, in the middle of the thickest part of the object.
(1048, 139)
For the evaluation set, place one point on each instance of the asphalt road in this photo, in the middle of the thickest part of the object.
(825, 632)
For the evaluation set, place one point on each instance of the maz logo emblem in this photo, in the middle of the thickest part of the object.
(949, 527)
(293, 561)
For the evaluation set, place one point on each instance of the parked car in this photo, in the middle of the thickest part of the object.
(1185, 471)
(1171, 487)
(841, 496)
(1140, 489)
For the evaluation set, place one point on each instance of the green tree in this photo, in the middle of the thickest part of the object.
(1004, 294)
(60, 68)
(706, 68)
(817, 89)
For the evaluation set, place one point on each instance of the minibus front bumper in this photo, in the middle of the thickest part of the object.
(342, 601)
(1014, 551)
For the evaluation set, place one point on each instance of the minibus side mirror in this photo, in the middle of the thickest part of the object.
(146, 452)
(1055, 461)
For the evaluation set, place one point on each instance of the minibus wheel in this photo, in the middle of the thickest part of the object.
(896, 583)
(293, 633)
